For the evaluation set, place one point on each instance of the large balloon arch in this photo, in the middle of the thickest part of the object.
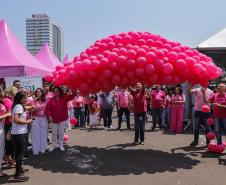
(127, 58)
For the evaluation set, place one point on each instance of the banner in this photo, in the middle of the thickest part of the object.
(28, 83)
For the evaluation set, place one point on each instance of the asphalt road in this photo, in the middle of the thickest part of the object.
(102, 157)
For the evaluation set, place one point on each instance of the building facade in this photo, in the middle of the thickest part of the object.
(40, 29)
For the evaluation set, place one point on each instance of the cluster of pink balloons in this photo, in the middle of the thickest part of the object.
(213, 147)
(127, 58)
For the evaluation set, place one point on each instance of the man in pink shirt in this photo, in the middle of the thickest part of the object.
(124, 104)
(157, 102)
(140, 110)
(202, 96)
(219, 111)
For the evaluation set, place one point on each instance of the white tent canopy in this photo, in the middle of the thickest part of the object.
(217, 41)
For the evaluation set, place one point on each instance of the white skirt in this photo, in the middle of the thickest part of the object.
(93, 119)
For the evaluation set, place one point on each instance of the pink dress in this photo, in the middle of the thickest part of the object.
(177, 113)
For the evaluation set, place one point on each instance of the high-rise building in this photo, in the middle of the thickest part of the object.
(40, 29)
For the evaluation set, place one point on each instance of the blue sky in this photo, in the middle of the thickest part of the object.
(84, 21)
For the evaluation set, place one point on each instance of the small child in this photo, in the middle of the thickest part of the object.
(94, 112)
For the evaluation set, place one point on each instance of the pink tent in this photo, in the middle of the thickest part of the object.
(15, 60)
(46, 57)
(66, 59)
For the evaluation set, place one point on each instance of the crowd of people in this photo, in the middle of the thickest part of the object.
(25, 114)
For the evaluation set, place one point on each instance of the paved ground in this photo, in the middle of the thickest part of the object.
(107, 158)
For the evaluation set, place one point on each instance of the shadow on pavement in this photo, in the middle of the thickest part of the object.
(111, 161)
(202, 152)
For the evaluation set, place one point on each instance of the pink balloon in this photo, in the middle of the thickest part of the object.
(211, 136)
(66, 137)
(141, 52)
(116, 79)
(180, 64)
(131, 54)
(122, 71)
(205, 108)
(141, 61)
(73, 121)
(139, 72)
(149, 69)
(210, 121)
(49, 77)
(220, 148)
(107, 73)
(167, 69)
(130, 64)
(112, 57)
(121, 60)
(59, 67)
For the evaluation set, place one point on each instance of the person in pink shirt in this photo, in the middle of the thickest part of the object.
(167, 108)
(57, 114)
(86, 113)
(94, 112)
(47, 90)
(177, 113)
(79, 112)
(39, 127)
(218, 101)
(9, 94)
(70, 111)
(201, 96)
(3, 115)
(124, 104)
(157, 103)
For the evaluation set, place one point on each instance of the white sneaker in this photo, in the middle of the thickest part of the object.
(62, 148)
(111, 126)
(51, 148)
(105, 128)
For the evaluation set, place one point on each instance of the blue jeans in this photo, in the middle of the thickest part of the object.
(157, 117)
(140, 120)
(166, 116)
(219, 122)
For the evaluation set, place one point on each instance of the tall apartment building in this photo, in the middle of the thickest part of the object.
(40, 29)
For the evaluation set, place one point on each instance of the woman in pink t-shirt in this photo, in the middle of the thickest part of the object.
(79, 111)
(177, 113)
(40, 124)
(70, 108)
(167, 108)
(9, 94)
(3, 115)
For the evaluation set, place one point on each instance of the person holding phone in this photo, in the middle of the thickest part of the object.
(39, 127)
(19, 131)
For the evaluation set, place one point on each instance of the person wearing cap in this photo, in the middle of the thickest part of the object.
(218, 101)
